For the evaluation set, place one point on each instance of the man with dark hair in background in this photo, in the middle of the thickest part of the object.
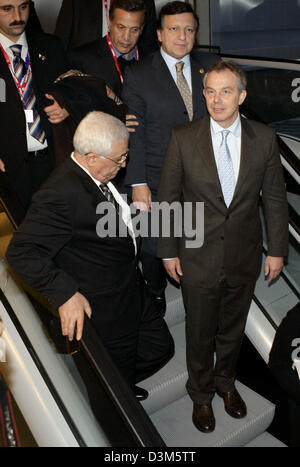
(80, 22)
(107, 57)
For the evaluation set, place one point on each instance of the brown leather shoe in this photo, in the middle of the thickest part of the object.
(203, 418)
(234, 404)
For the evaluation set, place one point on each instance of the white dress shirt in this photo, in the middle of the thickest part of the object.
(233, 142)
(32, 143)
(171, 64)
(125, 209)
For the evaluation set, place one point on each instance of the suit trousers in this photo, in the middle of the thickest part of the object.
(215, 323)
(135, 335)
(153, 269)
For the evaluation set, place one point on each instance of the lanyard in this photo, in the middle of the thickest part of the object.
(21, 86)
(112, 50)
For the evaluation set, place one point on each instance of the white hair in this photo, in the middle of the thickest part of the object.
(97, 132)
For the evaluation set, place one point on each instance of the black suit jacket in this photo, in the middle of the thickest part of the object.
(58, 252)
(232, 236)
(152, 95)
(47, 62)
(96, 59)
(80, 22)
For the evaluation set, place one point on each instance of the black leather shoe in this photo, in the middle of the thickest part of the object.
(203, 418)
(140, 393)
(234, 404)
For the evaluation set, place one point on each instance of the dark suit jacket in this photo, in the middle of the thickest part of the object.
(58, 252)
(96, 59)
(13, 125)
(80, 22)
(232, 236)
(152, 95)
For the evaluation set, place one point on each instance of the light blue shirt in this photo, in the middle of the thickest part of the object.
(233, 141)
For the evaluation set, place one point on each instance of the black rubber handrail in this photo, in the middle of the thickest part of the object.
(264, 59)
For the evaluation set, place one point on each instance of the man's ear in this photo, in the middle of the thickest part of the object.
(158, 31)
(90, 159)
(242, 97)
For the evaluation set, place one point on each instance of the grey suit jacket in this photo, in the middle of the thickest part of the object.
(232, 236)
(152, 95)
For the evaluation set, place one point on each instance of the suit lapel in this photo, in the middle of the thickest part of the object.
(247, 149)
(205, 148)
(6, 76)
(167, 83)
(88, 184)
(197, 87)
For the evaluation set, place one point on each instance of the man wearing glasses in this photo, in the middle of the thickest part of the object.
(87, 272)
(162, 90)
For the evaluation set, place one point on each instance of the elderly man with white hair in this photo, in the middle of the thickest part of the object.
(61, 251)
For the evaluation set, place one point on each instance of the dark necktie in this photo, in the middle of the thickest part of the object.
(29, 99)
(108, 194)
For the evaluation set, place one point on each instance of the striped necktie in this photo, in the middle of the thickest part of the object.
(184, 89)
(108, 195)
(29, 99)
(225, 169)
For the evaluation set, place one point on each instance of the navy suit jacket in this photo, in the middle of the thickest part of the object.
(152, 95)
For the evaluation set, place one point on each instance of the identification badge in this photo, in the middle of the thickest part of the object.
(29, 116)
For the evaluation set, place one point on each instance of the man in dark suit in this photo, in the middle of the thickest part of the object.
(108, 57)
(67, 249)
(151, 91)
(224, 162)
(80, 22)
(29, 63)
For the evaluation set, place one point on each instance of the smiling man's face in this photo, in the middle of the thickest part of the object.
(177, 35)
(223, 96)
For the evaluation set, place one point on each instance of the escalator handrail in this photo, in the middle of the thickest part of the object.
(132, 412)
(289, 61)
(285, 151)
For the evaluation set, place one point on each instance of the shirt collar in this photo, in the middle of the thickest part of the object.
(171, 61)
(6, 42)
(85, 170)
(235, 128)
(131, 56)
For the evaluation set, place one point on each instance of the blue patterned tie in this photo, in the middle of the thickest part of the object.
(225, 169)
(35, 127)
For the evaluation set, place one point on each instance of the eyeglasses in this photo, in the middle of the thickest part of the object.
(121, 159)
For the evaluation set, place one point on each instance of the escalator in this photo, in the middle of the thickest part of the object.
(49, 390)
